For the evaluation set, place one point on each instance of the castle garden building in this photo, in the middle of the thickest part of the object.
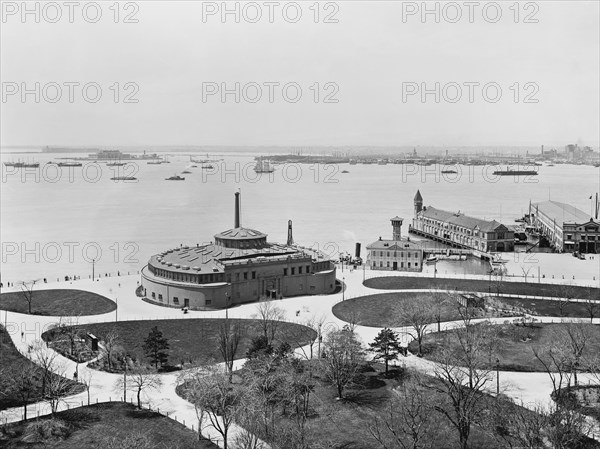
(239, 267)
(397, 254)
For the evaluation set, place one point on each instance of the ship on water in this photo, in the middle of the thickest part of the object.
(22, 164)
(263, 166)
(175, 178)
(511, 172)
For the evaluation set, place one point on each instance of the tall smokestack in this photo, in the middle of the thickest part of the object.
(290, 240)
(236, 223)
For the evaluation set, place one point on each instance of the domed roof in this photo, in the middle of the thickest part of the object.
(240, 234)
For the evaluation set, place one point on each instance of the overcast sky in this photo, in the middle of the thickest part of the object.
(171, 53)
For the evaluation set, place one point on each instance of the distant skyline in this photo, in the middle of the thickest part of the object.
(172, 57)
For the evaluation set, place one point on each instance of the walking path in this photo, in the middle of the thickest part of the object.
(529, 388)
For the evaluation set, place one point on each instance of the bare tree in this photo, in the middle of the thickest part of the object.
(269, 315)
(574, 337)
(221, 400)
(344, 355)
(86, 380)
(477, 347)
(20, 378)
(46, 359)
(111, 343)
(460, 403)
(408, 421)
(417, 314)
(556, 360)
(229, 340)
(139, 379)
(439, 302)
(566, 293)
(57, 387)
(27, 292)
(592, 306)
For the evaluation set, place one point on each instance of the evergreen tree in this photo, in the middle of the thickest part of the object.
(259, 347)
(156, 347)
(386, 346)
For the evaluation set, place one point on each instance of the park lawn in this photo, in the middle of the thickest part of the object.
(10, 357)
(58, 303)
(345, 423)
(104, 426)
(513, 352)
(382, 310)
(194, 341)
(477, 285)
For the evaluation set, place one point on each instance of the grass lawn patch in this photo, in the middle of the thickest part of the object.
(194, 340)
(515, 349)
(10, 357)
(58, 303)
(477, 285)
(382, 310)
(103, 426)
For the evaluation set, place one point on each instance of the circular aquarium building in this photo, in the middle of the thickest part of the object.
(240, 266)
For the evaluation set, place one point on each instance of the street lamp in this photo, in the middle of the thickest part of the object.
(343, 292)
(93, 262)
(497, 377)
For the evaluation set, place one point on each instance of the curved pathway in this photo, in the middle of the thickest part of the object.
(528, 388)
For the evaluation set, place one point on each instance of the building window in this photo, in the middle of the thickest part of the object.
(401, 264)
(380, 253)
(307, 269)
(208, 302)
(285, 271)
(408, 264)
(299, 270)
(245, 275)
(374, 266)
(417, 255)
(388, 264)
(160, 297)
(388, 254)
(153, 295)
(175, 300)
(381, 264)
(254, 275)
(293, 271)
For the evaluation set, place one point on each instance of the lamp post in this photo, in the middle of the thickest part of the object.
(343, 289)
(364, 268)
(93, 262)
(497, 377)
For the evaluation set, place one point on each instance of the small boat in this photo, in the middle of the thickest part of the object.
(207, 167)
(70, 164)
(449, 171)
(194, 166)
(115, 164)
(345, 171)
(431, 259)
(186, 172)
(123, 178)
(155, 162)
(175, 178)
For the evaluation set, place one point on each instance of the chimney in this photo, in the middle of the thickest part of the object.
(236, 223)
(357, 250)
(290, 240)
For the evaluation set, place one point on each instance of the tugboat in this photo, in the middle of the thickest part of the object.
(175, 178)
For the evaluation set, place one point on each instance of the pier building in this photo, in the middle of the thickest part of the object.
(459, 230)
(397, 254)
(566, 227)
(240, 266)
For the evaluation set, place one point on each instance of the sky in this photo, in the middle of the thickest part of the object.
(355, 73)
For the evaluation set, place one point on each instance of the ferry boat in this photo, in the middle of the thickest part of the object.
(208, 167)
(431, 259)
(175, 178)
(123, 178)
(449, 172)
(22, 164)
(70, 164)
(510, 172)
(263, 167)
(115, 164)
